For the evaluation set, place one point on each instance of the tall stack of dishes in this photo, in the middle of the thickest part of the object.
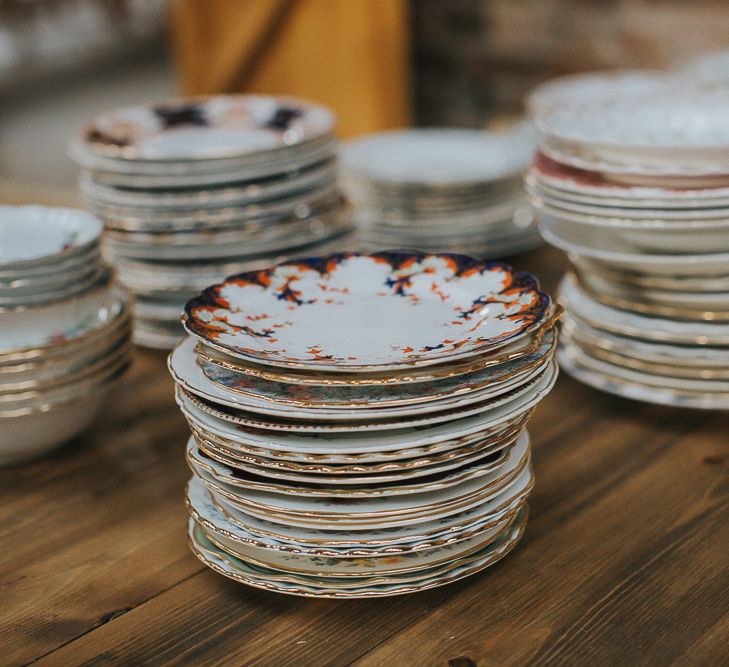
(64, 328)
(442, 190)
(192, 191)
(358, 421)
(635, 188)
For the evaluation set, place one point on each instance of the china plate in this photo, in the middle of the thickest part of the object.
(31, 236)
(439, 156)
(591, 86)
(360, 472)
(402, 483)
(215, 521)
(355, 505)
(651, 236)
(591, 186)
(222, 126)
(245, 193)
(601, 245)
(242, 572)
(674, 132)
(517, 400)
(655, 329)
(580, 366)
(390, 309)
(343, 448)
(371, 397)
(394, 538)
(188, 374)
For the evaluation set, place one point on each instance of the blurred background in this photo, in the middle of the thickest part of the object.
(378, 63)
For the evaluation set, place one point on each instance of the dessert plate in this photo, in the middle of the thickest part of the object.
(188, 374)
(267, 579)
(602, 246)
(371, 397)
(35, 236)
(332, 540)
(391, 309)
(345, 448)
(207, 129)
(629, 324)
(535, 389)
(439, 157)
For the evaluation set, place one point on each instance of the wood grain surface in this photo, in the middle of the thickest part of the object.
(625, 558)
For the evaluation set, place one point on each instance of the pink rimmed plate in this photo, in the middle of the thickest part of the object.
(357, 312)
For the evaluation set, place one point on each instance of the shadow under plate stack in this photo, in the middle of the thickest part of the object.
(65, 328)
(358, 421)
(194, 190)
(635, 188)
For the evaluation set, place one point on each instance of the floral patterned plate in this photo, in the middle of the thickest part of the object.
(224, 126)
(381, 395)
(190, 376)
(368, 312)
(531, 392)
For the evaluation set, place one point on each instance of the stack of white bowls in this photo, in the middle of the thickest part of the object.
(442, 190)
(64, 328)
(194, 190)
(359, 421)
(635, 188)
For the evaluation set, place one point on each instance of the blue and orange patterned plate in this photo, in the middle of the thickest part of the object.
(364, 313)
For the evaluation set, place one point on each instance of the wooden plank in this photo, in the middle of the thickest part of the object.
(255, 627)
(96, 528)
(624, 560)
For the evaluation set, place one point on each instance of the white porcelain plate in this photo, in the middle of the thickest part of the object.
(32, 235)
(440, 156)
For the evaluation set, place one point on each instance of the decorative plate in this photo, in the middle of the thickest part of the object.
(379, 395)
(353, 311)
(522, 398)
(189, 375)
(207, 128)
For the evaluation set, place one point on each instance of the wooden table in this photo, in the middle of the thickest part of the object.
(625, 560)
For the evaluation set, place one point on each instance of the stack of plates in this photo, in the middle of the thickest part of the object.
(359, 420)
(636, 189)
(193, 191)
(64, 328)
(442, 190)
